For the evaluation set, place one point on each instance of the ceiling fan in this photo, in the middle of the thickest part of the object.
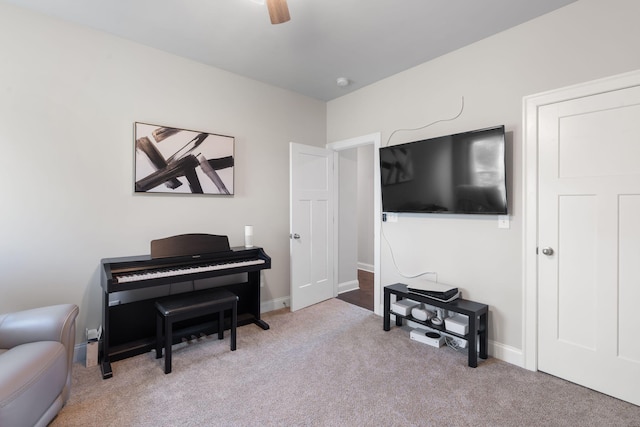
(278, 11)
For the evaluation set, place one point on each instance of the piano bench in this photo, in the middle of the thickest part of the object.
(186, 306)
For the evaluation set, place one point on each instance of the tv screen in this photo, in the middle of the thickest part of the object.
(454, 174)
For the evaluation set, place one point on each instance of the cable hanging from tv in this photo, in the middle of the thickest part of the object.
(395, 264)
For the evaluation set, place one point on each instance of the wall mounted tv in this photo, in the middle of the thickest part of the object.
(462, 173)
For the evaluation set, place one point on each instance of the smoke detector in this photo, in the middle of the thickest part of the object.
(343, 81)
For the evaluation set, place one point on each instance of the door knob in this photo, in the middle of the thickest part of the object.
(294, 236)
(547, 251)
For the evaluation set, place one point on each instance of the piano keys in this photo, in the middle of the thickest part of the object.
(173, 272)
(203, 260)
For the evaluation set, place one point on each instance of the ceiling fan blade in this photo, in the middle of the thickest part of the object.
(278, 11)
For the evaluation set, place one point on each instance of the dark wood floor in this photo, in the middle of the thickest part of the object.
(362, 297)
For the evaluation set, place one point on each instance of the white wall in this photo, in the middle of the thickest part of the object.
(68, 99)
(586, 40)
(348, 220)
(365, 207)
(355, 218)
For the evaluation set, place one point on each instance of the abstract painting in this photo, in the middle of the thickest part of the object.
(179, 161)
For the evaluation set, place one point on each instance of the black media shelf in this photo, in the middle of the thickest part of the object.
(477, 313)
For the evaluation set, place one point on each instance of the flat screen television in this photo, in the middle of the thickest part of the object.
(462, 173)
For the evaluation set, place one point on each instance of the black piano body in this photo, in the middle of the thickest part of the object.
(201, 259)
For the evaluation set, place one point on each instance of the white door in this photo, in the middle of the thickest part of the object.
(311, 231)
(589, 241)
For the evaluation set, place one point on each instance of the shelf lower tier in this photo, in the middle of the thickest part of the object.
(428, 324)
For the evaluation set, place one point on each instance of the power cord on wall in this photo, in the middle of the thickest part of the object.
(395, 264)
(428, 124)
(393, 258)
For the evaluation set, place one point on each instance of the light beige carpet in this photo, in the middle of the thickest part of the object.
(329, 365)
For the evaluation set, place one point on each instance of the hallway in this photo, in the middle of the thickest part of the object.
(362, 297)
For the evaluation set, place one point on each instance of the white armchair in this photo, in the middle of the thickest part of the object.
(36, 356)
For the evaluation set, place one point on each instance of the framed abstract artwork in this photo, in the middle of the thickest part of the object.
(180, 161)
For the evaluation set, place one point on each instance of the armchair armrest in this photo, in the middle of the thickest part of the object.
(53, 323)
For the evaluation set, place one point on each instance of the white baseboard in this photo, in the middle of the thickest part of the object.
(351, 285)
(506, 353)
(80, 353)
(274, 304)
(366, 267)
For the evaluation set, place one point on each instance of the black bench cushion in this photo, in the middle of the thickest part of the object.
(178, 304)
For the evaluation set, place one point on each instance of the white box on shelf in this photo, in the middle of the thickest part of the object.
(432, 338)
(458, 324)
(404, 306)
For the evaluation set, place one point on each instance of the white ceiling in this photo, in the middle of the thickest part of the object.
(362, 40)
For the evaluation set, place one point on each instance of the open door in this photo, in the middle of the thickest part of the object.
(311, 225)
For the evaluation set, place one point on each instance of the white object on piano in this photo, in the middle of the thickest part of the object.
(248, 236)
(188, 270)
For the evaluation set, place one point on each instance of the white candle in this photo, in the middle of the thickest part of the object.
(248, 236)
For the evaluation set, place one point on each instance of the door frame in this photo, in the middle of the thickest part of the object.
(531, 104)
(346, 144)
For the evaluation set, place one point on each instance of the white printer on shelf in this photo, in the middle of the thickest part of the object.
(434, 290)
